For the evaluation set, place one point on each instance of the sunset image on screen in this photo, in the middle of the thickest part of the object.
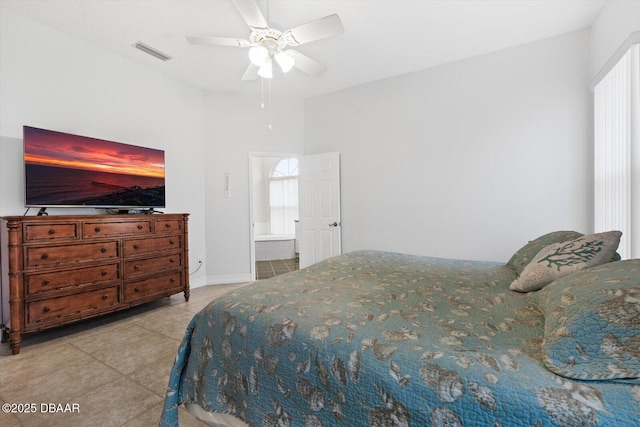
(49, 148)
(66, 169)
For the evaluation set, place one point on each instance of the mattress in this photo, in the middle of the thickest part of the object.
(384, 339)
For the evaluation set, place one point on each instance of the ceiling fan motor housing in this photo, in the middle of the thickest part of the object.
(270, 38)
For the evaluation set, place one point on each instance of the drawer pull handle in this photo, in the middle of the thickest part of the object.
(136, 247)
(136, 289)
(172, 260)
(45, 256)
(172, 242)
(167, 225)
(136, 267)
(103, 250)
(105, 296)
(97, 229)
(139, 226)
(45, 282)
(104, 272)
(172, 280)
(52, 231)
(46, 309)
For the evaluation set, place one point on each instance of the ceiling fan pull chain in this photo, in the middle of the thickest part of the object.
(269, 83)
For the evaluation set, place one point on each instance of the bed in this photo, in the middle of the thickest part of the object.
(384, 339)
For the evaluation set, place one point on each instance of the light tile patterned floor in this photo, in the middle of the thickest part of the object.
(115, 368)
(267, 269)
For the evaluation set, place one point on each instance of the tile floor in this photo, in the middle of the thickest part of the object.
(267, 269)
(115, 368)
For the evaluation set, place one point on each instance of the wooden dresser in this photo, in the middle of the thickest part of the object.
(61, 269)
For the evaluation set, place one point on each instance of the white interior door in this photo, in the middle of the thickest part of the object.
(319, 206)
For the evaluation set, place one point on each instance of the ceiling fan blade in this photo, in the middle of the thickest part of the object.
(251, 73)
(307, 65)
(251, 13)
(314, 30)
(218, 41)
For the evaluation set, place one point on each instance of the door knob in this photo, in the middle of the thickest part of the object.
(335, 224)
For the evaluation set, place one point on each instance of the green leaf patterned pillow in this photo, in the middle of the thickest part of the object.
(525, 254)
(592, 323)
(560, 259)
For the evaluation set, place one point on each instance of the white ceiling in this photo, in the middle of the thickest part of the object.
(382, 38)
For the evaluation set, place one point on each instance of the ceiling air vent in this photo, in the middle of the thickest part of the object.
(151, 51)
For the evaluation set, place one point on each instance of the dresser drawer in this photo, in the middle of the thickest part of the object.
(149, 287)
(55, 231)
(52, 255)
(140, 267)
(79, 304)
(101, 229)
(143, 246)
(48, 282)
(167, 225)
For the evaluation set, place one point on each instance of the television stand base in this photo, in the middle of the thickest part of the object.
(147, 211)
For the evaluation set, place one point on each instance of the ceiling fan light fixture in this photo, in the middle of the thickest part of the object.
(258, 55)
(285, 60)
(266, 70)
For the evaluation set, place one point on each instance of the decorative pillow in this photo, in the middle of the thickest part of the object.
(560, 259)
(525, 254)
(592, 323)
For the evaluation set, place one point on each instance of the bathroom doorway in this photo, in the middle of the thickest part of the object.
(274, 213)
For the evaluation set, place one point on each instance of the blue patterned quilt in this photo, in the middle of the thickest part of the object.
(383, 339)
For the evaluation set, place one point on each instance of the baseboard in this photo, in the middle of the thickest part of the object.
(197, 283)
(221, 280)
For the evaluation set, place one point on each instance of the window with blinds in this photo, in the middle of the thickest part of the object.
(617, 152)
(283, 196)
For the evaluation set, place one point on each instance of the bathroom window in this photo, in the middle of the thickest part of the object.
(283, 196)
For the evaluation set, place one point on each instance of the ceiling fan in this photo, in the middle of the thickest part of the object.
(268, 44)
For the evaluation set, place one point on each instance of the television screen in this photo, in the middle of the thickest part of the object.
(64, 170)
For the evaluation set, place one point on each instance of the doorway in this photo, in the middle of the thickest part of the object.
(273, 213)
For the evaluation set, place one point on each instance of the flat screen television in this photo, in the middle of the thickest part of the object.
(65, 170)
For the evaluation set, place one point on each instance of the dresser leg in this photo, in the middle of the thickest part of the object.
(186, 295)
(15, 343)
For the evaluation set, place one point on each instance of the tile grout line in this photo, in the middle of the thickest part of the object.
(272, 269)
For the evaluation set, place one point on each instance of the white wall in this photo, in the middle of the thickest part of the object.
(466, 160)
(261, 174)
(236, 126)
(616, 20)
(260, 190)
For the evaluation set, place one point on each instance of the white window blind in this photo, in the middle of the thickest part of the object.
(283, 197)
(616, 151)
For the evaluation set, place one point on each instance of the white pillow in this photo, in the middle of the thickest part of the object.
(561, 259)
